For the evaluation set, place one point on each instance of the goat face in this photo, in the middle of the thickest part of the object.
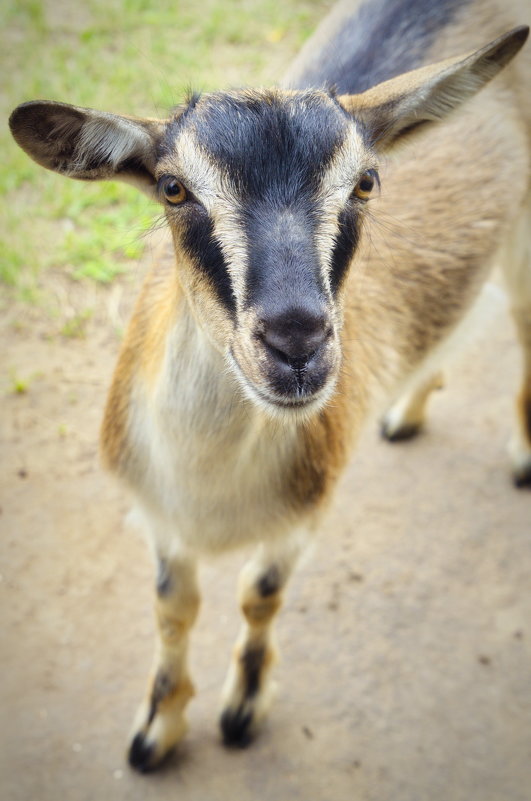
(264, 192)
(262, 195)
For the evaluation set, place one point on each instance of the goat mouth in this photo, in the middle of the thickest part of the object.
(289, 402)
(286, 408)
(303, 400)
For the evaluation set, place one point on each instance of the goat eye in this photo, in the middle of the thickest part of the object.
(365, 185)
(174, 191)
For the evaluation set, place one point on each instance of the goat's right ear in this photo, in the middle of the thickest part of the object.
(86, 144)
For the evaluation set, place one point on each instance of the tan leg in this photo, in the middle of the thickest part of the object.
(160, 722)
(248, 688)
(405, 417)
(520, 447)
(517, 271)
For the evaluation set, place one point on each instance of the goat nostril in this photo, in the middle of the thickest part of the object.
(297, 363)
(295, 354)
(294, 337)
(276, 352)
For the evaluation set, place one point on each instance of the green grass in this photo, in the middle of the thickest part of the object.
(131, 56)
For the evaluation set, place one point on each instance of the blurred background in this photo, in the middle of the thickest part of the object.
(134, 57)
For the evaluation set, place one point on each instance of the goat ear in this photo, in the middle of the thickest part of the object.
(396, 107)
(86, 144)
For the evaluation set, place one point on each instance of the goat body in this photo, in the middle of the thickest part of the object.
(248, 368)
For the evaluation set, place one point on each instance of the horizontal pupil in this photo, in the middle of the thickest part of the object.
(173, 189)
(366, 185)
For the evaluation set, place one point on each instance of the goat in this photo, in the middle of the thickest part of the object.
(248, 368)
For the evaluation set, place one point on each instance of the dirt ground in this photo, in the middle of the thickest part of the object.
(406, 637)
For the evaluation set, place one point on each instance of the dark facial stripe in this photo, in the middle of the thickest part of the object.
(344, 247)
(204, 249)
(273, 147)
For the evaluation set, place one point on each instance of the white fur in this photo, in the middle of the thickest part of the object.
(110, 139)
(175, 438)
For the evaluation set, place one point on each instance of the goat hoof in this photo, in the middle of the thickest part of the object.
(141, 755)
(399, 433)
(150, 749)
(236, 725)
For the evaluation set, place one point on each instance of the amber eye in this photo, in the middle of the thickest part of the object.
(174, 191)
(365, 185)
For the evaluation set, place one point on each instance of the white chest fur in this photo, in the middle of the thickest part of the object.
(208, 466)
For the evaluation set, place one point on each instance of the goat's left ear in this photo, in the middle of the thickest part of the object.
(87, 144)
(396, 107)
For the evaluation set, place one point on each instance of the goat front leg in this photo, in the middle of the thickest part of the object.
(160, 723)
(248, 688)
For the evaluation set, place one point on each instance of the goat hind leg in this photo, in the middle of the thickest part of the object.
(520, 446)
(404, 419)
(517, 273)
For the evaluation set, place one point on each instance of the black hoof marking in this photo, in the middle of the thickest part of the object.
(140, 755)
(236, 728)
(401, 434)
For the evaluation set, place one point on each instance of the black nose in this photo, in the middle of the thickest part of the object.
(295, 335)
